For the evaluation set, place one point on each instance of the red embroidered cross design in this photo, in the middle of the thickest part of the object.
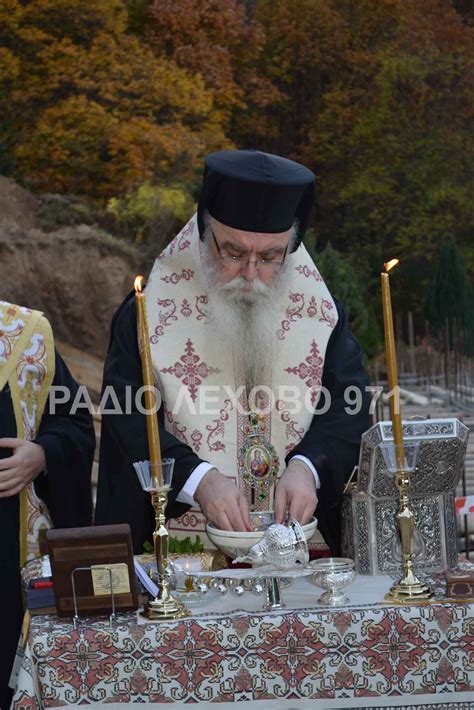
(311, 370)
(190, 369)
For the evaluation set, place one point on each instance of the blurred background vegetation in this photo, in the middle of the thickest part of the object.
(108, 107)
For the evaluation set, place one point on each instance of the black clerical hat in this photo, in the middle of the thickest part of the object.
(256, 192)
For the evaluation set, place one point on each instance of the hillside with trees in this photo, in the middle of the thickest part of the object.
(114, 104)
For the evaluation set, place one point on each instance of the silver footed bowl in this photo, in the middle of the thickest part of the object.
(333, 574)
(237, 543)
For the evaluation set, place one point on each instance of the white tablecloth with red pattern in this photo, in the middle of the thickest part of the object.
(361, 654)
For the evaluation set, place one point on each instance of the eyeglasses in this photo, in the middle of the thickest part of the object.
(244, 259)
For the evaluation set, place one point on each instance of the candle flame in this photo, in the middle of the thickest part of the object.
(138, 283)
(390, 264)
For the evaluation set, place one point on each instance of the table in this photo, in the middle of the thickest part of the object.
(368, 654)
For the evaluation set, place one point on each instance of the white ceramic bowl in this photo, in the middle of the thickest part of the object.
(235, 543)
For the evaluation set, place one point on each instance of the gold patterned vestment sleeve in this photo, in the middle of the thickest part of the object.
(27, 363)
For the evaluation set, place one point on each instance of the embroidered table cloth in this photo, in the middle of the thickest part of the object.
(358, 654)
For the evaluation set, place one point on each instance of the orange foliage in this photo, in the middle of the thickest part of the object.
(99, 117)
(215, 39)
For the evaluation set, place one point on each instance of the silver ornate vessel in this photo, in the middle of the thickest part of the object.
(283, 546)
(333, 574)
(370, 534)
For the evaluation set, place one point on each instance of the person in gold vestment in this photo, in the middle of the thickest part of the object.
(45, 459)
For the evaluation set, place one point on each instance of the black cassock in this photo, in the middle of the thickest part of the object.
(68, 441)
(331, 443)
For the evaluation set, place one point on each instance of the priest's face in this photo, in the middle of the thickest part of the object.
(247, 259)
(247, 273)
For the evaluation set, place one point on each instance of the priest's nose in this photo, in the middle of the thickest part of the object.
(250, 271)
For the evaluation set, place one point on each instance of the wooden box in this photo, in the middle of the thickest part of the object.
(70, 548)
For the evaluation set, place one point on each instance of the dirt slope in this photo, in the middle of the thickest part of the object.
(76, 275)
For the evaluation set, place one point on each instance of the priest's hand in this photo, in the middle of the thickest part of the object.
(296, 492)
(22, 467)
(222, 503)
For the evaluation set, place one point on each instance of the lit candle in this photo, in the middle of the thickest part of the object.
(149, 383)
(391, 356)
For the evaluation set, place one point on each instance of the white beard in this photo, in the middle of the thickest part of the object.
(247, 320)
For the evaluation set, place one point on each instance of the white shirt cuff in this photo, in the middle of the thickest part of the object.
(186, 494)
(310, 466)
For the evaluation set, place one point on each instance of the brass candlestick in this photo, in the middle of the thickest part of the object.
(409, 588)
(164, 607)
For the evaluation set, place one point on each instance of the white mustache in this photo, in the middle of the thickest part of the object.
(250, 287)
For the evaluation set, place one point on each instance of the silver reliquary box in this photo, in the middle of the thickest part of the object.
(370, 531)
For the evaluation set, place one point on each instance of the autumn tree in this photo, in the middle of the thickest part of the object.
(305, 41)
(393, 146)
(216, 40)
(99, 112)
(152, 215)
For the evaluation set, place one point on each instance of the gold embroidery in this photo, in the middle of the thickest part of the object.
(27, 364)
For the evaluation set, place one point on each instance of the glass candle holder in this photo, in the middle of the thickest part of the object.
(154, 476)
(393, 453)
(156, 480)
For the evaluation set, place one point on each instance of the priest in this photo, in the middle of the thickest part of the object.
(262, 388)
(45, 459)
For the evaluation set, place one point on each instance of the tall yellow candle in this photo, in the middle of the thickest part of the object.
(149, 382)
(391, 356)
